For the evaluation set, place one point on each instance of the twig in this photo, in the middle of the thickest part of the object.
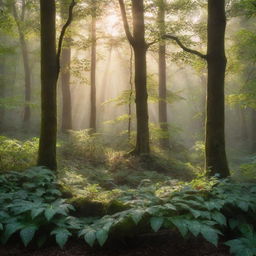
(62, 34)
(186, 49)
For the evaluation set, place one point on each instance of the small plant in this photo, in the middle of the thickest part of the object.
(17, 155)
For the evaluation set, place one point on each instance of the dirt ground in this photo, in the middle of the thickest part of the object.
(146, 245)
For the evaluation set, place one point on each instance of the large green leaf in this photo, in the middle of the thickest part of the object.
(210, 234)
(219, 218)
(137, 215)
(10, 229)
(156, 223)
(61, 236)
(102, 236)
(27, 234)
(181, 224)
(49, 213)
(194, 227)
(90, 237)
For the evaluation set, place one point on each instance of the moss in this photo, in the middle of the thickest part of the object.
(115, 206)
(66, 191)
(87, 208)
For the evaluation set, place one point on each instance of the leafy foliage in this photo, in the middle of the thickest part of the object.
(31, 207)
(17, 155)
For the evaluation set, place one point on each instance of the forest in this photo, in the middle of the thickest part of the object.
(127, 127)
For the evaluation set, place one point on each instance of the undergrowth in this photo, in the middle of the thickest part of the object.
(32, 207)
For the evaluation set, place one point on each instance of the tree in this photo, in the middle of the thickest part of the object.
(93, 112)
(163, 120)
(66, 123)
(215, 152)
(138, 42)
(50, 67)
(20, 21)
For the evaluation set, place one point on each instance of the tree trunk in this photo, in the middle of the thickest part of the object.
(27, 111)
(253, 133)
(47, 143)
(140, 50)
(65, 87)
(216, 161)
(2, 92)
(163, 120)
(66, 123)
(93, 76)
(25, 57)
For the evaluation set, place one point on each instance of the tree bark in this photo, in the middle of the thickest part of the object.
(66, 123)
(2, 92)
(93, 74)
(65, 87)
(25, 58)
(163, 120)
(137, 41)
(140, 50)
(49, 75)
(216, 160)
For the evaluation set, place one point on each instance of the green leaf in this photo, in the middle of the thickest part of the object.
(181, 224)
(36, 212)
(102, 236)
(27, 234)
(1, 226)
(219, 218)
(137, 215)
(49, 213)
(61, 236)
(243, 205)
(90, 237)
(209, 234)
(156, 223)
(194, 227)
(10, 229)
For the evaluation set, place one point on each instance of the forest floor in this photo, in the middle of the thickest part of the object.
(160, 244)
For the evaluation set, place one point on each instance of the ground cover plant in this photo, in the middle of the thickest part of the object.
(33, 208)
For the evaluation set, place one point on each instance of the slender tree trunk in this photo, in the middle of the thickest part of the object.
(2, 92)
(163, 120)
(130, 95)
(137, 41)
(25, 57)
(140, 50)
(27, 111)
(93, 76)
(65, 87)
(216, 161)
(49, 75)
(66, 123)
(253, 133)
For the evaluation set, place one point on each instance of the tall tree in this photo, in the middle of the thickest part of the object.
(49, 76)
(138, 42)
(215, 152)
(93, 67)
(163, 120)
(216, 160)
(66, 123)
(20, 21)
(50, 67)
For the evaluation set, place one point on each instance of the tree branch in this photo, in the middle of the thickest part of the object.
(62, 34)
(125, 22)
(153, 42)
(186, 49)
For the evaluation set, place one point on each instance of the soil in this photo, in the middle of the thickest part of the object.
(160, 244)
